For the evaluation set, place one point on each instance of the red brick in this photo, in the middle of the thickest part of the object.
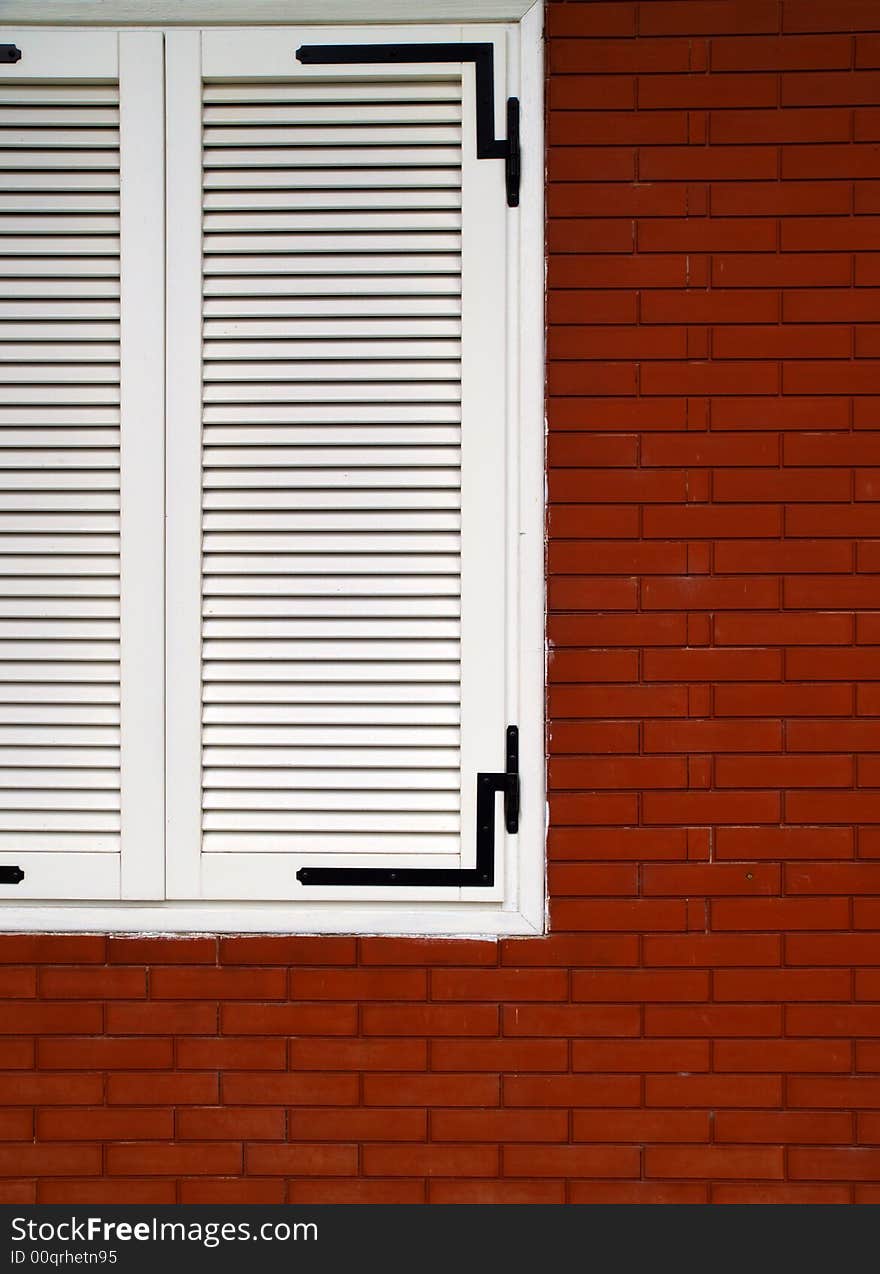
(430, 1161)
(18, 1054)
(696, 879)
(867, 984)
(718, 1162)
(268, 1088)
(780, 984)
(358, 1055)
(781, 1055)
(850, 1164)
(124, 950)
(20, 1160)
(289, 1019)
(149, 1018)
(792, 269)
(104, 1191)
(711, 807)
(775, 53)
(500, 1055)
(699, 1020)
(730, 1091)
(573, 1090)
(90, 1053)
(498, 984)
(767, 1193)
(618, 56)
(602, 20)
(653, 1192)
(777, 125)
(226, 1190)
(431, 1090)
(683, 163)
(783, 701)
(623, 843)
(218, 984)
(570, 1020)
(150, 1087)
(102, 1123)
(573, 92)
(748, 914)
(642, 915)
(708, 449)
(816, 15)
(833, 948)
(774, 198)
(623, 128)
(833, 1020)
(93, 984)
(358, 984)
(231, 1053)
(16, 1124)
(17, 983)
(839, 1092)
(287, 950)
(832, 878)
(166, 1160)
(230, 1123)
(21, 1089)
(869, 1129)
(585, 306)
(640, 1125)
(640, 1055)
(27, 1017)
(711, 665)
(618, 772)
(639, 985)
(324, 1124)
(715, 949)
(333, 1190)
(430, 1019)
(716, 306)
(401, 951)
(607, 880)
(712, 736)
(574, 1161)
(698, 593)
(52, 948)
(497, 1192)
(500, 1125)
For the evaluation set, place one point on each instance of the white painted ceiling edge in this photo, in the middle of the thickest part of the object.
(255, 12)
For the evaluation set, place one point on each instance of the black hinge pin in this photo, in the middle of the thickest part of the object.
(10, 53)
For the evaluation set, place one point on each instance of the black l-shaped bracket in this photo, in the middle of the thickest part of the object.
(480, 876)
(482, 55)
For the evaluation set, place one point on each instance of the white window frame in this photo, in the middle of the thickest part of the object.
(524, 911)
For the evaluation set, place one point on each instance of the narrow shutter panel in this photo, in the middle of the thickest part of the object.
(336, 284)
(61, 531)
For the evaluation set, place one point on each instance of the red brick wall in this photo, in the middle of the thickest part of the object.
(704, 1022)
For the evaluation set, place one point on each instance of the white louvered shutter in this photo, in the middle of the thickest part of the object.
(338, 398)
(80, 466)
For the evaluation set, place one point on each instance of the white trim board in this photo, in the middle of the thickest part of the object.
(257, 12)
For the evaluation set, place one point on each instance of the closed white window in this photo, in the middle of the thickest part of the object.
(271, 478)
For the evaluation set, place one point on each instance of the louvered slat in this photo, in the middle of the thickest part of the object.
(331, 467)
(59, 468)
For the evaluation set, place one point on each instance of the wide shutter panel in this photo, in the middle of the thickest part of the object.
(350, 456)
(62, 538)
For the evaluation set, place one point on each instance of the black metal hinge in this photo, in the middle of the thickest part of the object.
(11, 875)
(480, 876)
(10, 53)
(482, 55)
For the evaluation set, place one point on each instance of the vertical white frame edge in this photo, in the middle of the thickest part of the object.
(142, 461)
(531, 428)
(183, 480)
